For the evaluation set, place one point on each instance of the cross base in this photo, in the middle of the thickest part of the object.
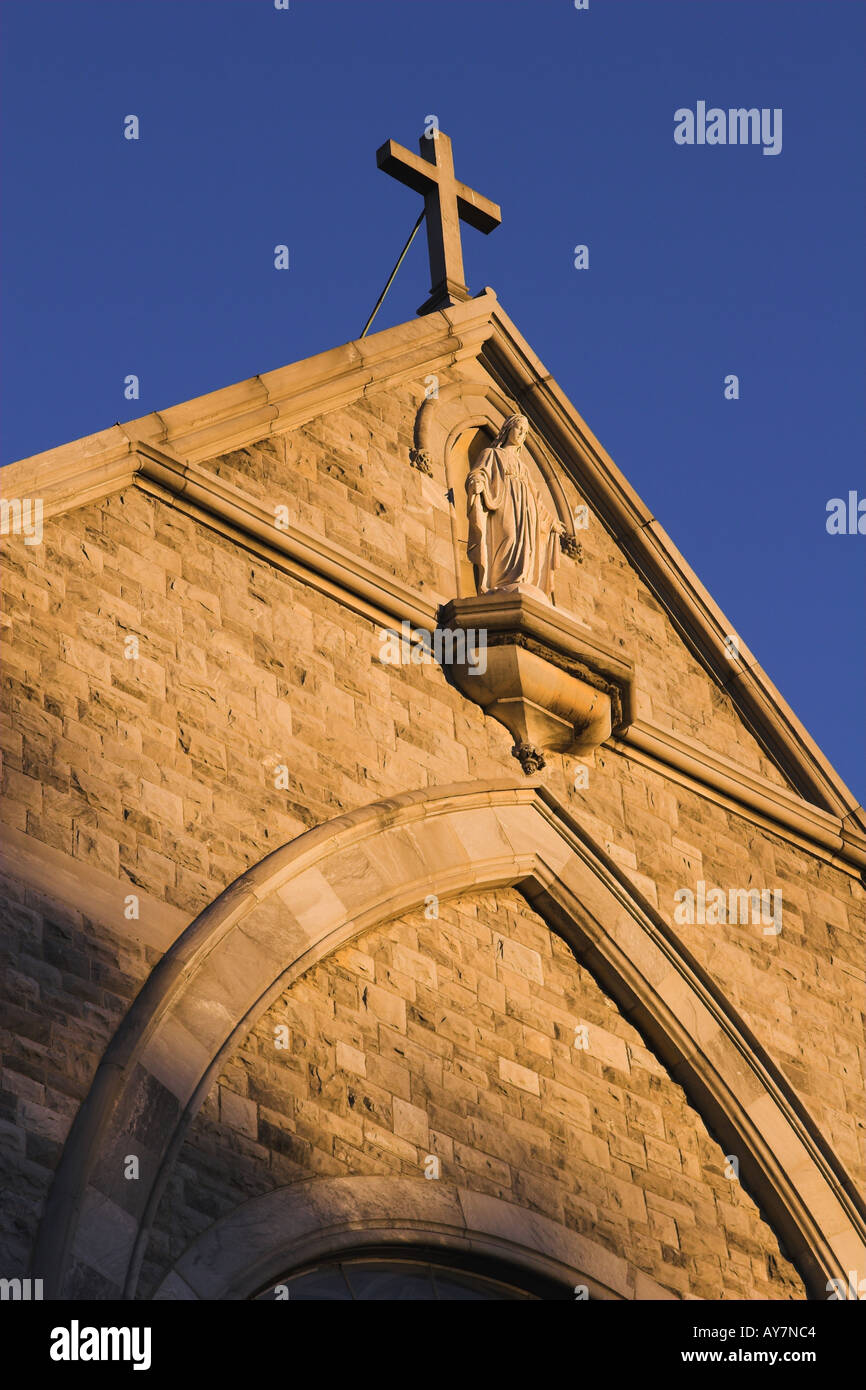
(444, 296)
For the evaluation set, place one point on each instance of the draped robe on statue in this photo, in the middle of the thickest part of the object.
(512, 541)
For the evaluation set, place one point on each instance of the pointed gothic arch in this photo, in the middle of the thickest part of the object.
(327, 886)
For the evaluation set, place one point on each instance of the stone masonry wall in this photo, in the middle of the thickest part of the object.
(456, 1037)
(161, 770)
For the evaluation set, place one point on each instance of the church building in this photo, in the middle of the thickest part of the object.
(413, 887)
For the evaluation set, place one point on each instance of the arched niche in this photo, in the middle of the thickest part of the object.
(461, 454)
(454, 426)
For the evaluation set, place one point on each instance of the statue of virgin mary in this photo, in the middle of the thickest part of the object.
(512, 536)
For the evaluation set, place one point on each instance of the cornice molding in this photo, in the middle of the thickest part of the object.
(366, 588)
(836, 839)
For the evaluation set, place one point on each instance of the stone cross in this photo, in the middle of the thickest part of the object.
(446, 201)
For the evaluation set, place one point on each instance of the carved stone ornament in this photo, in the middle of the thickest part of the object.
(420, 459)
(529, 758)
(571, 546)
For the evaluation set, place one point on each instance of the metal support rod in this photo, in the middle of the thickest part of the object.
(378, 304)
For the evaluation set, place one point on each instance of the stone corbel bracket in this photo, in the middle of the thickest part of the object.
(542, 674)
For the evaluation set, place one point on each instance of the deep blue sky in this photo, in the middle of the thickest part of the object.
(260, 126)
